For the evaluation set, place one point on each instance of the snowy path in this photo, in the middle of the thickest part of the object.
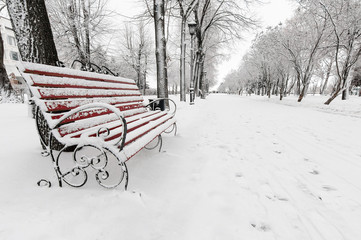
(240, 168)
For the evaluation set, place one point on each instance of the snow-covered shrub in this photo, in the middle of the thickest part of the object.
(5, 97)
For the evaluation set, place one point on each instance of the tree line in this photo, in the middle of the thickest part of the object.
(59, 31)
(316, 51)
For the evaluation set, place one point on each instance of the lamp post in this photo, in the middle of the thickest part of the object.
(192, 30)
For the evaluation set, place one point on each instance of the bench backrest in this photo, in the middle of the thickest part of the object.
(58, 90)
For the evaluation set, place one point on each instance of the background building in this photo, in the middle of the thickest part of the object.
(11, 55)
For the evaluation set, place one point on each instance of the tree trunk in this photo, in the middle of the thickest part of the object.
(334, 95)
(33, 33)
(74, 31)
(145, 73)
(202, 81)
(86, 30)
(4, 79)
(303, 92)
(196, 73)
(182, 61)
(345, 92)
(160, 52)
(298, 89)
(138, 68)
(329, 68)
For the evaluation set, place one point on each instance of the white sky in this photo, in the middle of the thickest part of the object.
(270, 13)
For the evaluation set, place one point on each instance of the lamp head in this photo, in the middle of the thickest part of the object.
(192, 28)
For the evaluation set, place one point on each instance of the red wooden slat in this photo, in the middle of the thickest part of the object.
(143, 135)
(64, 106)
(53, 74)
(79, 86)
(92, 113)
(55, 97)
(131, 129)
(110, 121)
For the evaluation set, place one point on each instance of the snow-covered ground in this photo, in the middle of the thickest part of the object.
(239, 168)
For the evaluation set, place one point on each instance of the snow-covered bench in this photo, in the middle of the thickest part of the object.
(89, 120)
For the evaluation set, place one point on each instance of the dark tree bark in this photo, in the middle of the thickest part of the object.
(160, 52)
(35, 40)
(4, 79)
(33, 33)
(86, 15)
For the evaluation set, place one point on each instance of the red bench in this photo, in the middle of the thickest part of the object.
(88, 120)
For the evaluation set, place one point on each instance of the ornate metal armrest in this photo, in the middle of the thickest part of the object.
(111, 108)
(109, 169)
(159, 99)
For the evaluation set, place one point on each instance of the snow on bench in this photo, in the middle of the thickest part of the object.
(98, 121)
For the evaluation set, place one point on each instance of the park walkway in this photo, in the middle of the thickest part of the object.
(239, 168)
(246, 168)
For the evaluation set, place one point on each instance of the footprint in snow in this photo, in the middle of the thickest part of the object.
(261, 227)
(275, 197)
(329, 188)
(238, 175)
(315, 172)
(281, 198)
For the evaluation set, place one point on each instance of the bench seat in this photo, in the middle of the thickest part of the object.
(80, 109)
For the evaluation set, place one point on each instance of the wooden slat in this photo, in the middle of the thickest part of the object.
(78, 127)
(135, 125)
(65, 82)
(139, 132)
(146, 137)
(145, 124)
(40, 69)
(69, 93)
(65, 105)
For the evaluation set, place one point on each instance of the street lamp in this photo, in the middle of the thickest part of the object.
(192, 30)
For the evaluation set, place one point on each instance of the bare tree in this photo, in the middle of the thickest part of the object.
(81, 26)
(346, 27)
(303, 38)
(161, 49)
(136, 48)
(227, 17)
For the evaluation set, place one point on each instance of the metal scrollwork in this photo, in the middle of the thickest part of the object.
(89, 155)
(109, 171)
(90, 68)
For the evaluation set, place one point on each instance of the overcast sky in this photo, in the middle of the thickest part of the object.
(270, 13)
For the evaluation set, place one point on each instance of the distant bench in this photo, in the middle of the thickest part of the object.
(89, 120)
